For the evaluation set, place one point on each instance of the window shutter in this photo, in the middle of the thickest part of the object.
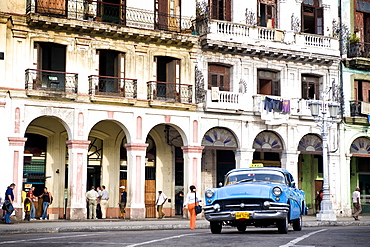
(319, 21)
(276, 88)
(37, 56)
(97, 62)
(121, 65)
(155, 69)
(227, 10)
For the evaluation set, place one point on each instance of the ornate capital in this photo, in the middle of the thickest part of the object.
(82, 144)
(17, 141)
(192, 149)
(136, 146)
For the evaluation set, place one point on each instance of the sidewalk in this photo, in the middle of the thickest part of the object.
(42, 226)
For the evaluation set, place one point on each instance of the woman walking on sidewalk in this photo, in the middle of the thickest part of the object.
(190, 201)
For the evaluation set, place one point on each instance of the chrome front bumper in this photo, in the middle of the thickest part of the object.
(253, 215)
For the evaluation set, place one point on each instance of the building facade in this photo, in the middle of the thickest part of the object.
(356, 80)
(164, 95)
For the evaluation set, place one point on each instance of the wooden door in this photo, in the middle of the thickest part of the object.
(162, 14)
(150, 199)
(57, 7)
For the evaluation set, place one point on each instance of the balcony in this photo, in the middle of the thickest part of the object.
(51, 81)
(253, 39)
(360, 111)
(169, 92)
(112, 86)
(226, 101)
(358, 54)
(100, 11)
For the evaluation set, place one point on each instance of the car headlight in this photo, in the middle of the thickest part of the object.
(209, 193)
(277, 191)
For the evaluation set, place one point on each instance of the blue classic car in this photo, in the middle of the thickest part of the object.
(260, 197)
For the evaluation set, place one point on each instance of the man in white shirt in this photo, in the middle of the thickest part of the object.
(161, 199)
(104, 197)
(356, 203)
(91, 197)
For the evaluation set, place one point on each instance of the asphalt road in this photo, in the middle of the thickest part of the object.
(310, 236)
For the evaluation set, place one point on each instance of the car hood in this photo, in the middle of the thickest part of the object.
(246, 190)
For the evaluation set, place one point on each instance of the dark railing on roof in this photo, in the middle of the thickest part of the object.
(113, 86)
(51, 80)
(169, 91)
(109, 13)
(358, 49)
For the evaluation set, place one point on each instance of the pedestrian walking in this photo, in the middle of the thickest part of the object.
(122, 204)
(47, 200)
(32, 198)
(356, 199)
(91, 197)
(190, 201)
(104, 197)
(8, 203)
(161, 199)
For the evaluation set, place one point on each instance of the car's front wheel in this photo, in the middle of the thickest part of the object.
(297, 224)
(216, 227)
(282, 226)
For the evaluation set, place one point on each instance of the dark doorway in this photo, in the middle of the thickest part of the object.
(225, 163)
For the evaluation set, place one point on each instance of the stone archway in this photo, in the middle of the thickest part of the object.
(310, 170)
(268, 147)
(219, 154)
(360, 169)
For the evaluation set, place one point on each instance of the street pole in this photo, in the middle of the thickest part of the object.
(326, 212)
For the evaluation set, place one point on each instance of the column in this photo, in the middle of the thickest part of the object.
(192, 168)
(17, 145)
(136, 179)
(289, 161)
(77, 176)
(243, 157)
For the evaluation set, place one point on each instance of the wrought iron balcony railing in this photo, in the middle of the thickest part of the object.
(359, 108)
(113, 86)
(51, 81)
(358, 49)
(109, 13)
(170, 92)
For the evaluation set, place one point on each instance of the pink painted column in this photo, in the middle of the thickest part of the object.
(136, 179)
(77, 175)
(192, 167)
(17, 145)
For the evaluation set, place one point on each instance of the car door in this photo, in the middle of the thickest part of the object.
(295, 199)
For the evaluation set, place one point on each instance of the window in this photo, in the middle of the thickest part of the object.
(310, 87)
(168, 72)
(111, 68)
(220, 9)
(219, 76)
(312, 17)
(362, 90)
(362, 21)
(268, 83)
(267, 13)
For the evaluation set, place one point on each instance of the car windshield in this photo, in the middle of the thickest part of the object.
(255, 176)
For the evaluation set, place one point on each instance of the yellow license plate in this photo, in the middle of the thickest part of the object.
(241, 215)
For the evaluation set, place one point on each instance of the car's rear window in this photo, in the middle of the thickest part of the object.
(255, 176)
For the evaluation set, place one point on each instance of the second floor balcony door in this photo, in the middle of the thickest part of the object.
(111, 66)
(220, 9)
(167, 15)
(312, 17)
(267, 13)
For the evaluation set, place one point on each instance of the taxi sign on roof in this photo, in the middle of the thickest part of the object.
(256, 165)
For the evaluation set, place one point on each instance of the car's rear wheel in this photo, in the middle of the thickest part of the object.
(282, 226)
(297, 224)
(216, 227)
(241, 227)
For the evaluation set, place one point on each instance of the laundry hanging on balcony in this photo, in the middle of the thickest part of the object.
(276, 105)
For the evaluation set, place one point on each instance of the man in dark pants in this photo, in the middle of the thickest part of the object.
(9, 199)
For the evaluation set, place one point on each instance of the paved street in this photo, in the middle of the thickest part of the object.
(311, 236)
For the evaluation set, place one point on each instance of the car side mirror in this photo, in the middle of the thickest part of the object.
(293, 184)
(220, 184)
